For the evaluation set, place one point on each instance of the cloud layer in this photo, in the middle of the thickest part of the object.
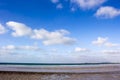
(12, 47)
(116, 51)
(47, 37)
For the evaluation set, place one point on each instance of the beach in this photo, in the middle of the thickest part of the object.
(105, 72)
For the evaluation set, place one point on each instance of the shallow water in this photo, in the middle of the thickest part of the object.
(62, 68)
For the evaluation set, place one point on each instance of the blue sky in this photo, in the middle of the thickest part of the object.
(59, 31)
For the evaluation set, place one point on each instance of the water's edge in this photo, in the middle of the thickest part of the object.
(108, 68)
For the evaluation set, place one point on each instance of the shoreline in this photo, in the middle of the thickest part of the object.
(108, 72)
(62, 69)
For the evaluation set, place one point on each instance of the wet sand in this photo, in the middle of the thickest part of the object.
(58, 76)
(62, 73)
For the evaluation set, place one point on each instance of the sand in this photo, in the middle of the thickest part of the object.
(67, 73)
(58, 76)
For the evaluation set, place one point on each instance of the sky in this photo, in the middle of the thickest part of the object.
(59, 31)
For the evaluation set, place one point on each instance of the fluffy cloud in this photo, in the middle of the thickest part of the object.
(2, 29)
(51, 38)
(47, 37)
(84, 4)
(87, 4)
(78, 49)
(19, 29)
(107, 12)
(100, 41)
(104, 42)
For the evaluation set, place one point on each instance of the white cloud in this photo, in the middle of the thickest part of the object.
(87, 4)
(38, 56)
(52, 38)
(100, 41)
(2, 29)
(63, 40)
(28, 47)
(8, 47)
(107, 12)
(104, 42)
(19, 29)
(111, 51)
(84, 4)
(47, 37)
(54, 1)
(78, 49)
(12, 47)
(108, 44)
(59, 6)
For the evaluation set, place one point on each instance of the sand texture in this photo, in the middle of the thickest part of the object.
(60, 73)
(58, 76)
